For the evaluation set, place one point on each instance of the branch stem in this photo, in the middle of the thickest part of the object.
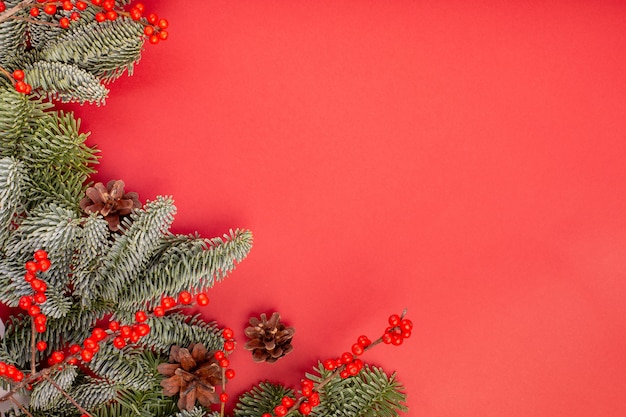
(66, 395)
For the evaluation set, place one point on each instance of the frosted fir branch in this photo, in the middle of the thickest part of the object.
(12, 11)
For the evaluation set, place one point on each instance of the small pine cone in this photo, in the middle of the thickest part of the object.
(269, 340)
(193, 374)
(110, 201)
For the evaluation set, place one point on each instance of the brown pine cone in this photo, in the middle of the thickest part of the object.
(193, 374)
(269, 340)
(110, 201)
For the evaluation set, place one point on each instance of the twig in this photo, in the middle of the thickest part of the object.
(66, 395)
(9, 13)
(20, 406)
(33, 334)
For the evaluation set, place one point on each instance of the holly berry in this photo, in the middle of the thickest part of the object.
(114, 326)
(29, 276)
(163, 35)
(141, 316)
(19, 76)
(143, 329)
(224, 363)
(119, 342)
(125, 331)
(305, 408)
(230, 373)
(100, 17)
(67, 5)
(25, 302)
(266, 415)
(154, 39)
(134, 337)
(30, 265)
(148, 31)
(57, 356)
(44, 264)
(386, 338)
(90, 344)
(64, 22)
(394, 320)
(98, 334)
(40, 298)
(111, 15)
(86, 355)
(223, 397)
(168, 302)
(74, 349)
(163, 24)
(152, 18)
(135, 14)
(229, 345)
(202, 299)
(40, 319)
(280, 410)
(140, 7)
(329, 364)
(219, 355)
(3, 6)
(364, 341)
(346, 357)
(288, 402)
(185, 298)
(344, 374)
(75, 16)
(81, 5)
(159, 311)
(41, 346)
(228, 333)
(34, 310)
(357, 349)
(50, 8)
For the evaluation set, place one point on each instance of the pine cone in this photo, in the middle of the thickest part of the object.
(193, 374)
(111, 202)
(269, 340)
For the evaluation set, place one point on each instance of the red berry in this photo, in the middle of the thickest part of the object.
(119, 342)
(357, 349)
(394, 320)
(168, 302)
(135, 14)
(305, 408)
(98, 334)
(19, 76)
(29, 276)
(202, 299)
(148, 31)
(58, 356)
(111, 15)
(344, 374)
(44, 264)
(96, 2)
(90, 344)
(154, 39)
(108, 5)
(280, 410)
(224, 363)
(134, 337)
(346, 357)
(185, 298)
(81, 5)
(100, 17)
(125, 331)
(74, 349)
(19, 375)
(163, 24)
(406, 324)
(143, 329)
(25, 302)
(75, 16)
(230, 373)
(40, 298)
(67, 5)
(364, 341)
(306, 391)
(40, 319)
(3, 6)
(41, 346)
(141, 316)
(386, 338)
(37, 284)
(33, 310)
(219, 355)
(223, 397)
(50, 8)
(86, 355)
(40, 328)
(163, 35)
(228, 333)
(159, 311)
(114, 326)
(28, 89)
(314, 399)
(140, 7)
(20, 87)
(229, 345)
(152, 18)
(329, 364)
(396, 339)
(352, 369)
(307, 383)
(3, 368)
(30, 265)
(266, 415)
(11, 371)
(64, 22)
(288, 402)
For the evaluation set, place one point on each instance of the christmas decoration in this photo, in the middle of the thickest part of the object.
(270, 340)
(110, 201)
(101, 332)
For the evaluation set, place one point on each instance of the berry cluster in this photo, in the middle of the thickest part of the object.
(20, 85)
(31, 303)
(222, 359)
(347, 365)
(398, 330)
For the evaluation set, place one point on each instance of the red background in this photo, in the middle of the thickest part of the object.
(464, 159)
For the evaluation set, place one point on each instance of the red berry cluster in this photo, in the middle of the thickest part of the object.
(11, 372)
(20, 85)
(155, 31)
(352, 365)
(398, 330)
(51, 8)
(31, 303)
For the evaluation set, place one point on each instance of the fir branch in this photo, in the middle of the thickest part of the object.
(47, 392)
(261, 399)
(105, 49)
(11, 184)
(195, 263)
(126, 368)
(65, 82)
(131, 251)
(12, 42)
(92, 393)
